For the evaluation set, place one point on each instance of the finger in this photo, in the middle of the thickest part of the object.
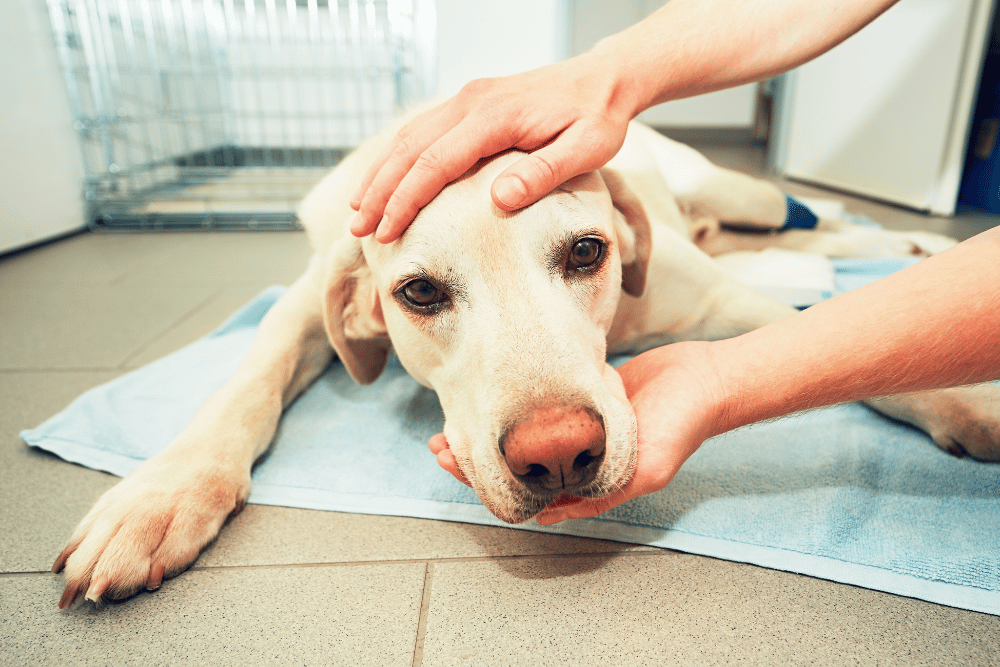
(394, 163)
(588, 508)
(437, 443)
(441, 163)
(383, 155)
(577, 150)
(446, 459)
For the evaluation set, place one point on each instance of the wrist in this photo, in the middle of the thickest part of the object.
(625, 93)
(729, 387)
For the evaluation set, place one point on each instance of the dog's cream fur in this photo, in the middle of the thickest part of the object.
(513, 341)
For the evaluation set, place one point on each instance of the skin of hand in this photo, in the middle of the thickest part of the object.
(568, 114)
(573, 115)
(672, 390)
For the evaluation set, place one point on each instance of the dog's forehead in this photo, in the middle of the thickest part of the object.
(462, 222)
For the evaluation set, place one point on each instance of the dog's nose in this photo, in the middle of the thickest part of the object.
(555, 448)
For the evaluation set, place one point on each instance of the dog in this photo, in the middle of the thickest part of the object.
(509, 317)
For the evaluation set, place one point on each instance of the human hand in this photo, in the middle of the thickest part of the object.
(675, 393)
(572, 116)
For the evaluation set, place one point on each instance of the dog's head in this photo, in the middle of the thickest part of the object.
(505, 316)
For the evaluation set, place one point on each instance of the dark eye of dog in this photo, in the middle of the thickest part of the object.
(584, 253)
(422, 293)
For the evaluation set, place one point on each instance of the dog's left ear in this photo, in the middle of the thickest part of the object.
(634, 235)
(352, 312)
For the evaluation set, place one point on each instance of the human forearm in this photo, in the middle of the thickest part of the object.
(690, 47)
(933, 325)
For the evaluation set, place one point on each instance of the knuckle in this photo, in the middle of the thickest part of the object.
(400, 209)
(405, 147)
(431, 160)
(544, 169)
(475, 87)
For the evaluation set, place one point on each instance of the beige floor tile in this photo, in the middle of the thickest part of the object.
(78, 326)
(86, 259)
(355, 615)
(278, 535)
(671, 608)
(260, 258)
(42, 498)
(201, 320)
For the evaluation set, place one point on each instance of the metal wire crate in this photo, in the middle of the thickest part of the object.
(223, 113)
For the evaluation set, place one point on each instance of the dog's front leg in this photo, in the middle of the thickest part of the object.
(154, 523)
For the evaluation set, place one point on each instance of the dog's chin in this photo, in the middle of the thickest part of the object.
(526, 508)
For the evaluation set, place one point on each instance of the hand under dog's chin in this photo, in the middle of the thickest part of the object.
(527, 508)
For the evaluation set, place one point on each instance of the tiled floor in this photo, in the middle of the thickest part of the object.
(284, 586)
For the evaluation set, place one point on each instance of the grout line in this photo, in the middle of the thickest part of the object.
(75, 369)
(425, 604)
(458, 559)
(124, 365)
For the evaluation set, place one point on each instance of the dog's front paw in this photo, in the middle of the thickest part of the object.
(150, 526)
(964, 421)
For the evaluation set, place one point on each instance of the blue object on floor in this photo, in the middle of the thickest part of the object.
(799, 216)
(838, 493)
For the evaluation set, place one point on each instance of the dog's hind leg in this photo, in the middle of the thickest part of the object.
(153, 524)
(705, 191)
(833, 238)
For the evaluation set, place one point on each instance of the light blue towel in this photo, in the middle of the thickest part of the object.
(839, 493)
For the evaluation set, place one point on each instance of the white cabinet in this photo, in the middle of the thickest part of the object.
(886, 114)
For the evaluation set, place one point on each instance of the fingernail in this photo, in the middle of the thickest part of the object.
(382, 231)
(510, 191)
(357, 225)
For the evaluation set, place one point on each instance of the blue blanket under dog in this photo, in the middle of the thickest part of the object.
(839, 493)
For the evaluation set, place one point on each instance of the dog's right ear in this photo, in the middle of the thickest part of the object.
(634, 234)
(352, 312)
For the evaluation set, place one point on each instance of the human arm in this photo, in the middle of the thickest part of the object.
(935, 324)
(572, 116)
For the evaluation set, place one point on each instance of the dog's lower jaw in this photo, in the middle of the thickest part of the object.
(525, 504)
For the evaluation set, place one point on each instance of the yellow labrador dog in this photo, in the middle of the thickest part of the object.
(509, 318)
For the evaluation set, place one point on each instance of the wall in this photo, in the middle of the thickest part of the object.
(592, 20)
(480, 38)
(41, 170)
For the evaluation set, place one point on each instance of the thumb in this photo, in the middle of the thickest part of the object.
(583, 510)
(539, 173)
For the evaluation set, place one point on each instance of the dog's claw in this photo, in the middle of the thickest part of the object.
(155, 577)
(60, 562)
(97, 589)
(69, 596)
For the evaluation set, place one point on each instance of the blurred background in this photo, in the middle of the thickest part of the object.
(221, 114)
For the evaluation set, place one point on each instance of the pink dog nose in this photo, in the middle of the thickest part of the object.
(555, 449)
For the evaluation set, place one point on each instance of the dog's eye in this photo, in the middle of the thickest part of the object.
(422, 293)
(584, 253)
